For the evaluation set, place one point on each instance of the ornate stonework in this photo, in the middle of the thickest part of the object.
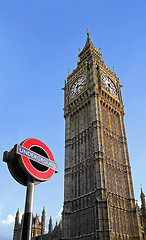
(38, 228)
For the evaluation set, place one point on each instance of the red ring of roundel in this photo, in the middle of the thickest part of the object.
(42, 176)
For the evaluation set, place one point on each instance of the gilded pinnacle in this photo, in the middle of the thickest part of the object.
(88, 32)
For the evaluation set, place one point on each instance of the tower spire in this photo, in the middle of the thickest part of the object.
(89, 46)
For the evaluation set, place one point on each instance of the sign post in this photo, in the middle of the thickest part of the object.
(27, 222)
(30, 163)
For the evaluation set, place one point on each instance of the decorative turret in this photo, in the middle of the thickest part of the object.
(56, 226)
(17, 226)
(142, 196)
(36, 220)
(50, 225)
(43, 221)
(17, 216)
(143, 212)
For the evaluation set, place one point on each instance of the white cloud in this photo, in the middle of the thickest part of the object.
(6, 227)
(58, 217)
(10, 219)
(139, 204)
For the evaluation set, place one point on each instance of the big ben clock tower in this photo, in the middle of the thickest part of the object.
(98, 190)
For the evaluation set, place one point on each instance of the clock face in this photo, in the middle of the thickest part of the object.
(77, 86)
(109, 85)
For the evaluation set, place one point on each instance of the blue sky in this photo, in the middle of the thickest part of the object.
(39, 42)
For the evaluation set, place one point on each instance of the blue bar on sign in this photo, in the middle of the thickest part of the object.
(37, 157)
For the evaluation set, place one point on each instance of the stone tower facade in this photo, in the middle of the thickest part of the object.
(98, 190)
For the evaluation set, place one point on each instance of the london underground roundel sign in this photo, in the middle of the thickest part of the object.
(33, 160)
(36, 169)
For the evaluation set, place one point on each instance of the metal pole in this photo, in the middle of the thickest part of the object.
(27, 221)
